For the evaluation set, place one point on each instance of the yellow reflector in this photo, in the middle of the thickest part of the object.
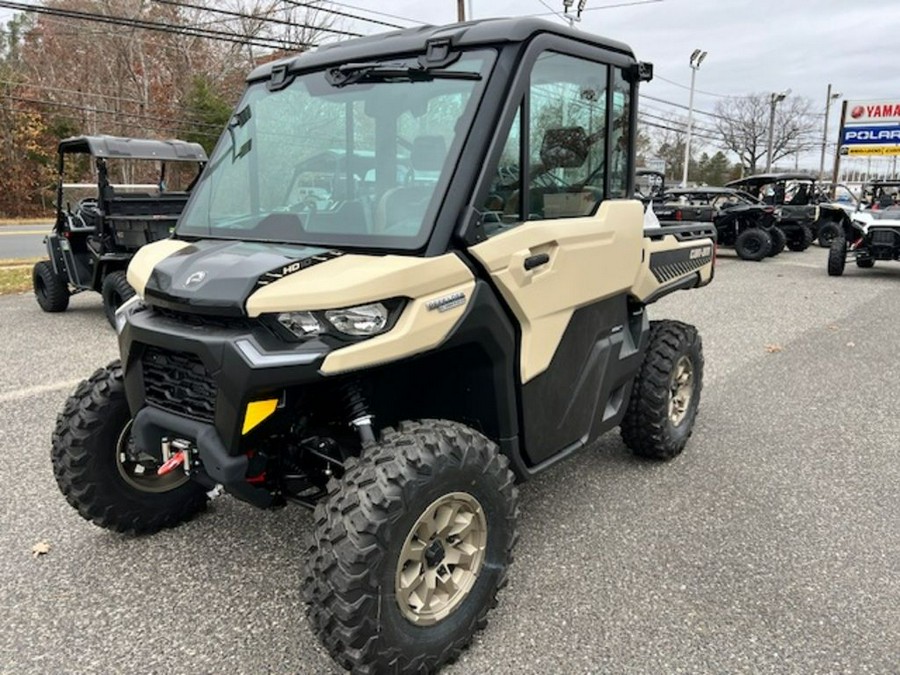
(257, 411)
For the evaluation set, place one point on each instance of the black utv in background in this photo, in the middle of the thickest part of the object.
(650, 188)
(741, 221)
(804, 212)
(94, 238)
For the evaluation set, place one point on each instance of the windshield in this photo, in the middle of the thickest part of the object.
(359, 163)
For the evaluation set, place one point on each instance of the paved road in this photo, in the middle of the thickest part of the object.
(771, 545)
(23, 241)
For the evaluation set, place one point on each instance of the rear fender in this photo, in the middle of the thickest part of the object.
(675, 258)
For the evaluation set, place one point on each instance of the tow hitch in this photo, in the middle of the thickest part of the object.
(182, 456)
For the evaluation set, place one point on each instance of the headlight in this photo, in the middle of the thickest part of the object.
(359, 321)
(301, 324)
(124, 310)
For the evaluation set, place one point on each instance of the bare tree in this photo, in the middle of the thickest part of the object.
(744, 125)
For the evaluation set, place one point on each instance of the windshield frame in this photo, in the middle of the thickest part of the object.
(364, 241)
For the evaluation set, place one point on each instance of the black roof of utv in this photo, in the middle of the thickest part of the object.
(765, 178)
(484, 32)
(115, 147)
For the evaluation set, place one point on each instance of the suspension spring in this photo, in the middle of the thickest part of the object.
(358, 411)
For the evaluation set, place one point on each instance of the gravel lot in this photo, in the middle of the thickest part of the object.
(771, 545)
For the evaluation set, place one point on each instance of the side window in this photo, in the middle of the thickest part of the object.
(567, 136)
(568, 103)
(501, 208)
(620, 159)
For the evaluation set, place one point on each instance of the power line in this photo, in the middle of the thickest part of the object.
(684, 86)
(601, 7)
(684, 107)
(372, 11)
(657, 125)
(309, 5)
(106, 111)
(115, 20)
(241, 15)
(111, 97)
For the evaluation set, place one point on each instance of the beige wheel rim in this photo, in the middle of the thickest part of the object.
(681, 390)
(441, 558)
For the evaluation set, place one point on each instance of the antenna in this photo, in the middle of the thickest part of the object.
(567, 5)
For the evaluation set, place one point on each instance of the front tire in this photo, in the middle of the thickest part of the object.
(837, 257)
(50, 290)
(116, 290)
(98, 474)
(666, 392)
(397, 534)
(753, 244)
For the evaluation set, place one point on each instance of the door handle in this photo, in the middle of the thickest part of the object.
(536, 261)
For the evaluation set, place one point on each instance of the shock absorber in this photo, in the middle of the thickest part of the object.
(358, 412)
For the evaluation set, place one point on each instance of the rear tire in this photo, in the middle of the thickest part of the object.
(865, 263)
(116, 290)
(803, 242)
(87, 454)
(828, 232)
(837, 257)
(666, 392)
(753, 244)
(363, 583)
(779, 240)
(51, 292)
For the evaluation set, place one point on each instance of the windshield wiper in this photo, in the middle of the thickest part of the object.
(380, 71)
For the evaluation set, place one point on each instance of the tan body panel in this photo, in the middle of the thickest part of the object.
(418, 330)
(646, 283)
(591, 259)
(357, 279)
(147, 257)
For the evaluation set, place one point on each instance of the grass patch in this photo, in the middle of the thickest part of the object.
(15, 279)
(12, 222)
(19, 262)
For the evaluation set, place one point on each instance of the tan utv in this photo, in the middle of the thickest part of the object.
(411, 275)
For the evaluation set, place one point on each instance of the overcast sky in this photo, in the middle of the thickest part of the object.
(753, 45)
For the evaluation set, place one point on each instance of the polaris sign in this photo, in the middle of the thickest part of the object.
(871, 135)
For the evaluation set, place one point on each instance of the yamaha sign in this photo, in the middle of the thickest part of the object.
(873, 112)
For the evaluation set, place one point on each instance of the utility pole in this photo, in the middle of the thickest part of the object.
(460, 10)
(828, 99)
(774, 99)
(837, 151)
(696, 59)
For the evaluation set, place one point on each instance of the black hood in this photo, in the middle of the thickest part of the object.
(217, 277)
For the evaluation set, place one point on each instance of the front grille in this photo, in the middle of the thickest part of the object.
(884, 237)
(207, 321)
(178, 382)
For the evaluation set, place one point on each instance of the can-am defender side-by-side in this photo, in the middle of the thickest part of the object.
(93, 240)
(462, 304)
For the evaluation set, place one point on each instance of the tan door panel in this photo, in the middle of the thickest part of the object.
(588, 259)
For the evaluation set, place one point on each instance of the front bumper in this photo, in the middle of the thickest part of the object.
(216, 367)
